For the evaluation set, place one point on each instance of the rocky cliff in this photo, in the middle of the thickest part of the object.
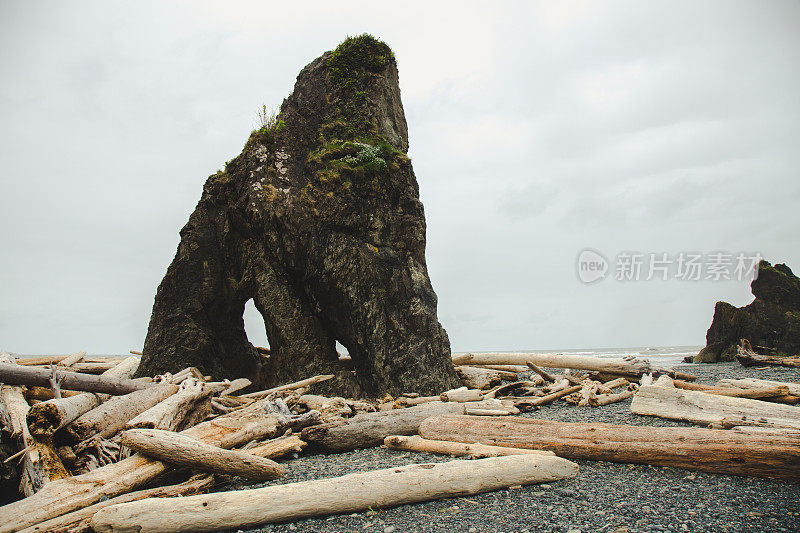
(771, 323)
(319, 221)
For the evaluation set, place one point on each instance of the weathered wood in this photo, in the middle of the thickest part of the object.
(236, 385)
(479, 378)
(415, 443)
(461, 394)
(289, 386)
(110, 417)
(279, 447)
(514, 369)
(734, 392)
(41, 464)
(752, 383)
(171, 411)
(72, 359)
(79, 521)
(33, 376)
(751, 359)
(55, 359)
(549, 398)
(703, 408)
(369, 429)
(577, 362)
(345, 494)
(709, 450)
(67, 495)
(608, 399)
(182, 450)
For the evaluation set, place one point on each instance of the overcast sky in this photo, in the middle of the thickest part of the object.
(537, 130)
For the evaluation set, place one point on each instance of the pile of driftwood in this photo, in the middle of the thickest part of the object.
(110, 453)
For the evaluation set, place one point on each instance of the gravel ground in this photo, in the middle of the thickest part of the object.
(603, 497)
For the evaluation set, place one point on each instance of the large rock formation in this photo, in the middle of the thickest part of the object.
(319, 221)
(771, 323)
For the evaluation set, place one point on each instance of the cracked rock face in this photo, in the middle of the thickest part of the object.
(319, 221)
(772, 321)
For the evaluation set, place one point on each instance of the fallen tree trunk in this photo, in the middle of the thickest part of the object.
(577, 362)
(608, 399)
(171, 412)
(110, 417)
(479, 378)
(709, 450)
(47, 417)
(369, 429)
(415, 443)
(67, 495)
(289, 386)
(181, 450)
(751, 359)
(461, 394)
(55, 359)
(72, 359)
(78, 521)
(346, 494)
(735, 392)
(275, 448)
(703, 408)
(33, 376)
(752, 383)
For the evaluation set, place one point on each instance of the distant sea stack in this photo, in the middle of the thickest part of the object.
(771, 323)
(319, 221)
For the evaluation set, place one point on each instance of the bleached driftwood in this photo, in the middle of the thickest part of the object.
(275, 448)
(479, 378)
(110, 417)
(55, 359)
(182, 450)
(171, 412)
(332, 409)
(415, 443)
(47, 417)
(525, 403)
(72, 359)
(369, 429)
(752, 383)
(770, 391)
(79, 521)
(703, 408)
(345, 494)
(512, 369)
(608, 399)
(461, 394)
(66, 495)
(289, 386)
(236, 385)
(709, 450)
(34, 376)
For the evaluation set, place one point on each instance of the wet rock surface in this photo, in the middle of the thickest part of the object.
(771, 323)
(319, 221)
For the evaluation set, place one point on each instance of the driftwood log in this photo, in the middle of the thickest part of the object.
(182, 450)
(110, 417)
(171, 412)
(752, 359)
(40, 377)
(69, 494)
(479, 378)
(78, 521)
(346, 494)
(703, 408)
(752, 383)
(47, 417)
(369, 429)
(709, 450)
(415, 443)
(289, 386)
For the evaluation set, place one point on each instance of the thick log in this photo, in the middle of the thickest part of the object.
(275, 448)
(72, 359)
(171, 411)
(110, 417)
(608, 399)
(346, 494)
(369, 429)
(479, 378)
(289, 386)
(79, 521)
(415, 443)
(514, 369)
(49, 416)
(461, 394)
(752, 383)
(751, 359)
(67, 495)
(40, 377)
(734, 392)
(577, 362)
(709, 450)
(55, 359)
(178, 449)
(703, 408)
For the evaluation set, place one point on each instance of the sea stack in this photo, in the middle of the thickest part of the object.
(319, 221)
(771, 323)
